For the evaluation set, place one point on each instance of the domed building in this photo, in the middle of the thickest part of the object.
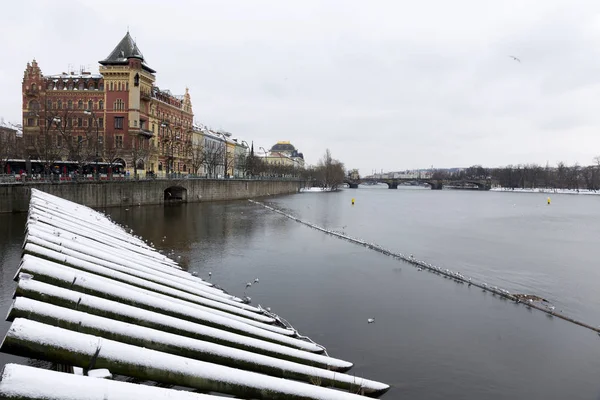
(284, 153)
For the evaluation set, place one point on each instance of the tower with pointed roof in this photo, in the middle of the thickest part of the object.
(135, 122)
(128, 81)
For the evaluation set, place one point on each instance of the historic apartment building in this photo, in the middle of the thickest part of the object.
(118, 115)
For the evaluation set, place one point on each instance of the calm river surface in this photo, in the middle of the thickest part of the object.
(432, 338)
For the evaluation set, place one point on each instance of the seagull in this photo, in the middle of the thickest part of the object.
(209, 275)
(551, 308)
(194, 273)
(370, 320)
(515, 58)
(256, 280)
(248, 285)
(420, 269)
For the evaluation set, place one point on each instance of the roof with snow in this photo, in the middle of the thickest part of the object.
(126, 49)
(11, 127)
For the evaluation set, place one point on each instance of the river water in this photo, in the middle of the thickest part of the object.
(432, 338)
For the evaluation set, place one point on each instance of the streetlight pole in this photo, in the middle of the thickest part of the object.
(93, 115)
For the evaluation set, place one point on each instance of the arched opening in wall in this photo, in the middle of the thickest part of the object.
(175, 194)
(139, 164)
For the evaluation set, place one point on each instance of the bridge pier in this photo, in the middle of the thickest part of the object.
(353, 185)
(436, 185)
(392, 185)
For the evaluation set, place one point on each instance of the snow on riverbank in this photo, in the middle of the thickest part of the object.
(315, 189)
(546, 190)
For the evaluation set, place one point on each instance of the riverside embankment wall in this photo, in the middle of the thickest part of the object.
(15, 197)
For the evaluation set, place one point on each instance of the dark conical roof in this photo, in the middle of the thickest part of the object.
(125, 50)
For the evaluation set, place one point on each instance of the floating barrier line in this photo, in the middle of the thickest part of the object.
(456, 276)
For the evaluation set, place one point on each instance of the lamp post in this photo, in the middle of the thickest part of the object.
(93, 115)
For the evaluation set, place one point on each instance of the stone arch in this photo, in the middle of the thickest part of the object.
(175, 194)
(120, 161)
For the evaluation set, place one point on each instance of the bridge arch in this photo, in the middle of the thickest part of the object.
(175, 194)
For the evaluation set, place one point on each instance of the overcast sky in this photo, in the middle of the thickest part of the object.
(386, 85)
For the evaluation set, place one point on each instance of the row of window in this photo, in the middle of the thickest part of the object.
(68, 105)
(76, 140)
(117, 86)
(78, 122)
(71, 85)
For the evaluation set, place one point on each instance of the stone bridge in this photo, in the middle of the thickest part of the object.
(435, 184)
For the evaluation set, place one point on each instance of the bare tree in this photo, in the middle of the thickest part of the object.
(9, 147)
(79, 144)
(140, 153)
(48, 145)
(110, 152)
(196, 154)
(329, 172)
(212, 158)
(228, 161)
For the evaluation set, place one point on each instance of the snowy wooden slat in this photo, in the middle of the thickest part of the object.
(56, 243)
(29, 383)
(183, 346)
(85, 282)
(96, 233)
(47, 254)
(50, 343)
(122, 312)
(96, 220)
(74, 249)
(160, 264)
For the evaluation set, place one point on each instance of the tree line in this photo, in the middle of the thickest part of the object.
(528, 176)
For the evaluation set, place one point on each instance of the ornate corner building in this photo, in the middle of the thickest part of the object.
(118, 115)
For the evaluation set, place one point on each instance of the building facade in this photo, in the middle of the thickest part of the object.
(118, 115)
(284, 153)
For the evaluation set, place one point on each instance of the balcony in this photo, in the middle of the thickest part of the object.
(146, 133)
(145, 96)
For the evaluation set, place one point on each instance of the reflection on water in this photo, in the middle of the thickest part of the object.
(432, 339)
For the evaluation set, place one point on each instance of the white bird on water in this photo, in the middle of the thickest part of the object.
(370, 320)
(256, 280)
(248, 285)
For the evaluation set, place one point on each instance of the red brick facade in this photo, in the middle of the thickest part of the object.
(118, 114)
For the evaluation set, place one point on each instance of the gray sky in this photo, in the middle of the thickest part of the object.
(384, 84)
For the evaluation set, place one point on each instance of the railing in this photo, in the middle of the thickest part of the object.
(82, 178)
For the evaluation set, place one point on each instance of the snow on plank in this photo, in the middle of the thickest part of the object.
(52, 240)
(85, 282)
(29, 383)
(128, 276)
(122, 312)
(184, 346)
(54, 344)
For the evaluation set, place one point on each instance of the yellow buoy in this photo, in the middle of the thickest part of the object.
(352, 201)
(548, 200)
